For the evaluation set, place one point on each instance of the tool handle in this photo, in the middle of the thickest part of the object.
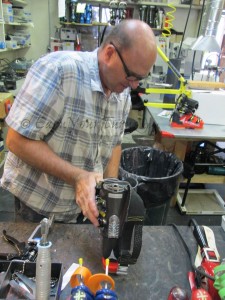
(43, 272)
(20, 247)
(199, 234)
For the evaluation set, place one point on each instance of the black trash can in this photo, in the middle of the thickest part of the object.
(157, 173)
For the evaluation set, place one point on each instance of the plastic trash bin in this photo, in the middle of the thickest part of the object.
(157, 173)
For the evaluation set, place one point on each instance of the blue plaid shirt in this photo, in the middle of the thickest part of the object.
(62, 102)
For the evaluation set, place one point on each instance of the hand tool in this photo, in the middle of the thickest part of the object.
(121, 233)
(24, 252)
(113, 199)
(18, 290)
(35, 237)
(43, 264)
(210, 260)
(23, 286)
(197, 293)
(202, 277)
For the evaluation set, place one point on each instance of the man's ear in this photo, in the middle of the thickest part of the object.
(109, 52)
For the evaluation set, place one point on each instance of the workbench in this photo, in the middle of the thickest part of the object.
(179, 141)
(162, 264)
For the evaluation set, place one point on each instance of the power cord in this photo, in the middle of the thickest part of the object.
(199, 271)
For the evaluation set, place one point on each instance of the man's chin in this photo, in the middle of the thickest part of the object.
(120, 89)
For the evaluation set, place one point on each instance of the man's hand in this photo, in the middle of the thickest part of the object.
(85, 184)
(40, 156)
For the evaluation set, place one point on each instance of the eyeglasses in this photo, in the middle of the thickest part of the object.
(131, 76)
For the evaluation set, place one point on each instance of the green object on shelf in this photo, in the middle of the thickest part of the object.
(215, 170)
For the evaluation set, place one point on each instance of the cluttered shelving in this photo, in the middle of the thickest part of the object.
(15, 21)
(86, 20)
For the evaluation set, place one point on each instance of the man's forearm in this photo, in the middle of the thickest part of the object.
(40, 156)
(112, 169)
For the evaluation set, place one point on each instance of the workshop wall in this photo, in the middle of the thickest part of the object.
(44, 14)
(45, 19)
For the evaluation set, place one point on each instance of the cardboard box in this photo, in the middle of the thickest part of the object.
(6, 101)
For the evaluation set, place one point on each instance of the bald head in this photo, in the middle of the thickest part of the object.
(126, 55)
(134, 35)
(127, 32)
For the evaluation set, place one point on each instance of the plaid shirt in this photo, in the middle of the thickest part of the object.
(62, 103)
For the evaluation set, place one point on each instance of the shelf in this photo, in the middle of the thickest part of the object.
(206, 178)
(201, 202)
(19, 2)
(185, 6)
(20, 24)
(97, 24)
(17, 48)
(84, 24)
(139, 3)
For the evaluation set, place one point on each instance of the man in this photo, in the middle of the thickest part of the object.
(67, 123)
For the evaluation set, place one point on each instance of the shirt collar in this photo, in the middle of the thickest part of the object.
(96, 84)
